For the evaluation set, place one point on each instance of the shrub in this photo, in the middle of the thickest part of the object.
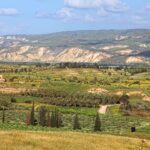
(28, 101)
(13, 100)
(5, 103)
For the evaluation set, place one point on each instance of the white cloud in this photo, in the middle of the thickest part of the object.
(63, 14)
(75, 10)
(66, 13)
(112, 5)
(8, 12)
(43, 14)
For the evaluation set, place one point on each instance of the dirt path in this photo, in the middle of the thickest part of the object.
(103, 109)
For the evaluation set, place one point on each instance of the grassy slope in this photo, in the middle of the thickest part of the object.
(67, 141)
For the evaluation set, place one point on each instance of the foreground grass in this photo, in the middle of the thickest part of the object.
(16, 140)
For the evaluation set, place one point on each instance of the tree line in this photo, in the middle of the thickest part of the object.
(63, 98)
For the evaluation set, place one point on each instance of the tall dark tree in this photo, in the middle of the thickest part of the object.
(56, 119)
(53, 119)
(32, 118)
(48, 119)
(42, 116)
(76, 123)
(97, 126)
(59, 120)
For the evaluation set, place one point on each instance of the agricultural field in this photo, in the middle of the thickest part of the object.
(118, 97)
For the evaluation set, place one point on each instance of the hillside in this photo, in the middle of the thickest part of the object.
(102, 46)
(68, 141)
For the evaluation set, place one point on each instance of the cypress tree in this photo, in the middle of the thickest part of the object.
(52, 119)
(76, 123)
(97, 126)
(59, 120)
(48, 120)
(32, 115)
(42, 116)
(56, 120)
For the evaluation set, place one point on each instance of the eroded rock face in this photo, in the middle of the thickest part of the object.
(112, 47)
(124, 52)
(81, 55)
(27, 54)
(44, 54)
(135, 60)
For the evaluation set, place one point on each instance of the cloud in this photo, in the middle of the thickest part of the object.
(66, 13)
(109, 5)
(76, 10)
(8, 12)
(63, 14)
(43, 14)
(147, 6)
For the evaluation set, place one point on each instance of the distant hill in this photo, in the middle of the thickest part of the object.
(102, 46)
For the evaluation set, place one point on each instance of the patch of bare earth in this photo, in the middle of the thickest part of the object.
(11, 90)
(135, 60)
(97, 90)
(102, 109)
(135, 93)
(146, 98)
(124, 52)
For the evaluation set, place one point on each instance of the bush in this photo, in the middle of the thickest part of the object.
(5, 103)
(13, 100)
(28, 101)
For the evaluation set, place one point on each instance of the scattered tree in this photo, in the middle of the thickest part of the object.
(76, 123)
(42, 116)
(32, 119)
(28, 119)
(97, 126)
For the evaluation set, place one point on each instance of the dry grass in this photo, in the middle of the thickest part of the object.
(16, 140)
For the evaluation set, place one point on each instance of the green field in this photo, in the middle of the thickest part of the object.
(79, 91)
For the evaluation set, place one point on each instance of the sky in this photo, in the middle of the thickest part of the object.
(48, 16)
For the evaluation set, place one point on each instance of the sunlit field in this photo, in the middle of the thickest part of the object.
(68, 141)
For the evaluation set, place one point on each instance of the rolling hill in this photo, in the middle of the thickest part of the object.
(102, 46)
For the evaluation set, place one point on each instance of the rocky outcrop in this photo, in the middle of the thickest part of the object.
(81, 55)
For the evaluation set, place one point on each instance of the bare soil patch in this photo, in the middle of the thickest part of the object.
(97, 90)
(103, 109)
(135, 93)
(11, 90)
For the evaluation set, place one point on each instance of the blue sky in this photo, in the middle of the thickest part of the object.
(47, 16)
